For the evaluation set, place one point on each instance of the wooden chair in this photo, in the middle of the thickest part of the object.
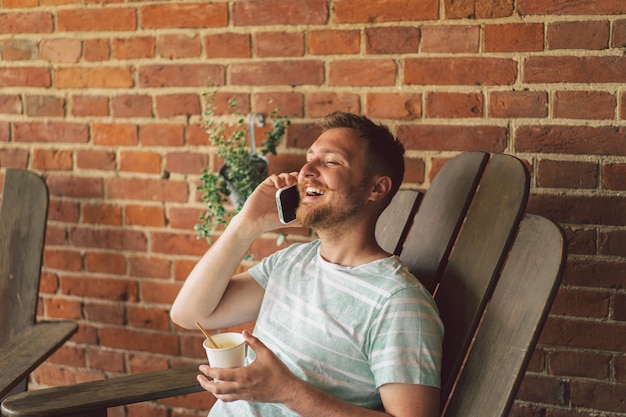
(456, 239)
(23, 345)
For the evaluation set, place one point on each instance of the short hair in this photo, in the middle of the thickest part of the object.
(384, 151)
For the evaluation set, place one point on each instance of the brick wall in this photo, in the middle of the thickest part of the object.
(102, 98)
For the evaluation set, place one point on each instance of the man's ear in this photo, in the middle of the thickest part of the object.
(382, 186)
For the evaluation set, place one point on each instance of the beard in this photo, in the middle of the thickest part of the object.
(336, 211)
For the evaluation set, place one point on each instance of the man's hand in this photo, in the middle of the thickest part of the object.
(260, 208)
(266, 379)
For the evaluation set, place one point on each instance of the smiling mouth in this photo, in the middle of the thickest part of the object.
(313, 192)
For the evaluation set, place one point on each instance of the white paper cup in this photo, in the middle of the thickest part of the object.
(231, 352)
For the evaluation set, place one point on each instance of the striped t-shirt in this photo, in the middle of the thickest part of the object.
(344, 330)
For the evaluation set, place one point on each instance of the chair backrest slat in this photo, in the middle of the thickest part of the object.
(512, 322)
(22, 233)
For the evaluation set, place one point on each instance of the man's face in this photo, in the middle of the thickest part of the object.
(334, 183)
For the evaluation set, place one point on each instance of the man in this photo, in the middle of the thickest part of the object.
(342, 328)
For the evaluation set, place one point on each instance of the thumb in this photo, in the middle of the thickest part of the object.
(253, 342)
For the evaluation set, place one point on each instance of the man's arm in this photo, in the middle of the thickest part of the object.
(268, 379)
(211, 294)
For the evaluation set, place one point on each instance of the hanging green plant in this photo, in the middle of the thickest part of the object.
(243, 168)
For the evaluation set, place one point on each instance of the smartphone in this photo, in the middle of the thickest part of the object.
(287, 201)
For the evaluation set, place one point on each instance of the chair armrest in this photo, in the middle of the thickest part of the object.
(98, 395)
(23, 352)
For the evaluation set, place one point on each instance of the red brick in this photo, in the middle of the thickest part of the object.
(61, 50)
(575, 209)
(285, 103)
(513, 37)
(332, 42)
(183, 217)
(141, 363)
(612, 243)
(132, 106)
(93, 159)
(66, 260)
(597, 395)
(114, 134)
(162, 135)
(195, 75)
(364, 11)
(394, 105)
(510, 104)
(450, 39)
(52, 132)
(63, 211)
(453, 138)
(578, 35)
(614, 176)
(171, 105)
(228, 45)
(454, 105)
(7, 4)
(186, 162)
(580, 241)
(19, 50)
(10, 104)
(372, 72)
(5, 131)
(567, 174)
(601, 140)
(573, 69)
(392, 40)
(319, 104)
(179, 46)
(109, 313)
(581, 303)
(277, 12)
(619, 34)
(131, 340)
(599, 105)
(58, 308)
(149, 266)
(90, 106)
(178, 244)
(595, 274)
(52, 159)
(62, 375)
(114, 239)
(542, 389)
(619, 308)
(69, 355)
(135, 47)
(278, 73)
(100, 288)
(159, 292)
(45, 106)
(96, 50)
(198, 15)
(414, 170)
(584, 7)
(460, 71)
(106, 262)
(478, 9)
(33, 22)
(75, 186)
(623, 106)
(147, 189)
(196, 135)
(149, 318)
(105, 360)
(279, 44)
(182, 268)
(97, 19)
(109, 214)
(93, 77)
(55, 235)
(25, 77)
(13, 158)
(140, 161)
(145, 216)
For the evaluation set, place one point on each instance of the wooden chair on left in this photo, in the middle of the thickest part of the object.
(23, 344)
